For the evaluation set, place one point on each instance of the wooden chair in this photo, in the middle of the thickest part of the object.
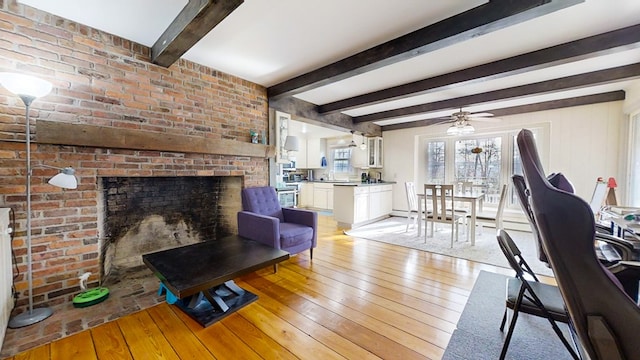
(412, 204)
(495, 218)
(442, 207)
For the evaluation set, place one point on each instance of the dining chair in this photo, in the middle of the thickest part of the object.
(526, 294)
(413, 214)
(494, 218)
(443, 209)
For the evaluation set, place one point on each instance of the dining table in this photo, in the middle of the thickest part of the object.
(476, 201)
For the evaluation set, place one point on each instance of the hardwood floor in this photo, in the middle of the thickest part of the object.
(357, 299)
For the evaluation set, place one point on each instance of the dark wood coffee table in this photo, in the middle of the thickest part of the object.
(201, 275)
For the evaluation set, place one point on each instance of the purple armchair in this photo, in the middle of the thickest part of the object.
(262, 219)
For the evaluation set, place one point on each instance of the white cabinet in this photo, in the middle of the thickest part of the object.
(359, 205)
(301, 155)
(374, 152)
(359, 158)
(380, 201)
(316, 149)
(305, 195)
(323, 196)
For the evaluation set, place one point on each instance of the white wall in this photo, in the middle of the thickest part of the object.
(586, 142)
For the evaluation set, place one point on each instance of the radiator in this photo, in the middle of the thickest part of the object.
(6, 273)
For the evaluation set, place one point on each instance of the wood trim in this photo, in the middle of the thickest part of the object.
(60, 133)
(494, 15)
(307, 112)
(522, 109)
(597, 45)
(631, 71)
(195, 21)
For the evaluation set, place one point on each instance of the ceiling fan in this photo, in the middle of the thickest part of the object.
(461, 120)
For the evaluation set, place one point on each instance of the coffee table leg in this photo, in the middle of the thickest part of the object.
(233, 287)
(216, 300)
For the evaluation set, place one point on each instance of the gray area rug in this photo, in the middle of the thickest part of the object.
(478, 334)
(486, 249)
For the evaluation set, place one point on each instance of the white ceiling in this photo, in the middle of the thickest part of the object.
(268, 42)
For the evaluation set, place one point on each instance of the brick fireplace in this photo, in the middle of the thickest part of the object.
(125, 117)
(148, 214)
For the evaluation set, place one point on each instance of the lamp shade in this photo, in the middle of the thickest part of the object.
(65, 179)
(26, 85)
(291, 143)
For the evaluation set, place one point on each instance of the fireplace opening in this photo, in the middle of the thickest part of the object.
(148, 214)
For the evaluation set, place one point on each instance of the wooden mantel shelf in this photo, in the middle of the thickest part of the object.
(60, 133)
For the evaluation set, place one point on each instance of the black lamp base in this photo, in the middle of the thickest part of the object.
(29, 317)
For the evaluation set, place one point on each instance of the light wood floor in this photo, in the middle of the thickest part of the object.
(357, 299)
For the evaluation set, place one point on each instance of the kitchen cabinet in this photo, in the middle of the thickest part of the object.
(305, 197)
(359, 158)
(301, 155)
(359, 205)
(323, 196)
(316, 149)
(380, 201)
(374, 152)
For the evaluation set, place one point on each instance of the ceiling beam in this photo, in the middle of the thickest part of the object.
(528, 108)
(544, 87)
(492, 16)
(195, 21)
(306, 112)
(590, 47)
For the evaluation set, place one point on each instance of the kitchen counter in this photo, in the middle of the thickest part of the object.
(357, 204)
(350, 183)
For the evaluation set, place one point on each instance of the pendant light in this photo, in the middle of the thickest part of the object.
(352, 144)
(363, 146)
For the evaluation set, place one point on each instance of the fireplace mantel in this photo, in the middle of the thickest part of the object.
(61, 133)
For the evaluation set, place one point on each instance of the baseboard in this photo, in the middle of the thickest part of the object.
(510, 223)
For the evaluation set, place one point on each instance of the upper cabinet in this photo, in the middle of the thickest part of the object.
(374, 151)
(316, 150)
(359, 157)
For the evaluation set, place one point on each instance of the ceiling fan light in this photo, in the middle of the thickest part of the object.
(467, 129)
(453, 130)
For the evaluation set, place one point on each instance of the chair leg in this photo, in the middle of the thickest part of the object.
(504, 319)
(275, 268)
(408, 219)
(311, 253)
(507, 339)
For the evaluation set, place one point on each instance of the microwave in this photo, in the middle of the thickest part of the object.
(291, 165)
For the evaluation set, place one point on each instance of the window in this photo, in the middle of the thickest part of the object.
(435, 162)
(486, 160)
(634, 188)
(341, 163)
(479, 161)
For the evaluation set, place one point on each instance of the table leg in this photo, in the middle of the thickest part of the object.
(472, 226)
(216, 300)
(233, 287)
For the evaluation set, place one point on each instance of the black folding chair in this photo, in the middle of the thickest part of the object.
(529, 296)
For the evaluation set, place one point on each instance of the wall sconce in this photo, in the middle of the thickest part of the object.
(29, 88)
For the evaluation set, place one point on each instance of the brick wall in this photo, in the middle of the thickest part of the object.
(100, 79)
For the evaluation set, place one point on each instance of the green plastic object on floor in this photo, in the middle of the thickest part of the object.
(91, 296)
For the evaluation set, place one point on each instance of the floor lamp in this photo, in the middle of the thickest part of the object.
(29, 88)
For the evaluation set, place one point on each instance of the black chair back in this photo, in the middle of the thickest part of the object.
(523, 197)
(605, 319)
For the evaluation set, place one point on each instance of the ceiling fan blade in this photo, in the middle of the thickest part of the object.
(484, 114)
(485, 119)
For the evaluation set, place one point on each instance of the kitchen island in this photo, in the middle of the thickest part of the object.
(357, 204)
